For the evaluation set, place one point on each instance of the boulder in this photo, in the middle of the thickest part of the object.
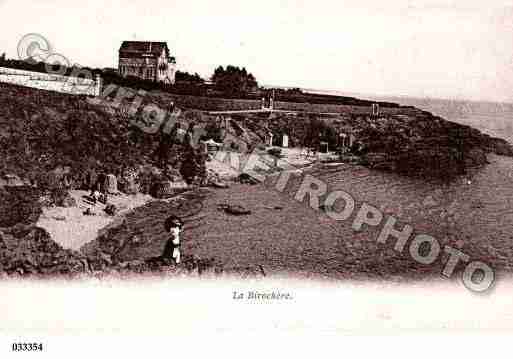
(128, 182)
(68, 201)
(214, 180)
(131, 187)
(111, 184)
(246, 178)
(111, 210)
(219, 184)
(275, 152)
(173, 174)
(88, 212)
(166, 189)
(62, 198)
(234, 210)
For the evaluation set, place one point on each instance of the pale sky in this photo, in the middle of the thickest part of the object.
(441, 49)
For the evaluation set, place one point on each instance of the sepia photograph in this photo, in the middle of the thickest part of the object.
(174, 170)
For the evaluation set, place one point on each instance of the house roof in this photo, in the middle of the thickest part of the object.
(138, 48)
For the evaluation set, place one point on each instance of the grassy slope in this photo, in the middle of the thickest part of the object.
(41, 130)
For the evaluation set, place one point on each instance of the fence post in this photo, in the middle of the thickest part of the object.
(98, 85)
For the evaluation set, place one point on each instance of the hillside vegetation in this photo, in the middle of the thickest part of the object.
(40, 131)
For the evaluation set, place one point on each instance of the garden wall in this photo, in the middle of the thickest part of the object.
(42, 81)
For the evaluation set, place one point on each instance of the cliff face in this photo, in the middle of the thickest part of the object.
(425, 145)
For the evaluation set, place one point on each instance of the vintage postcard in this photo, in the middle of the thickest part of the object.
(172, 171)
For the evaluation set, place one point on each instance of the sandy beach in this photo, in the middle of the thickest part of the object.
(71, 229)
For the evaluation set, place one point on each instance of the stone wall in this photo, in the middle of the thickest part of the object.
(220, 104)
(49, 82)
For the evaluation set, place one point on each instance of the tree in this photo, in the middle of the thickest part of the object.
(316, 131)
(234, 80)
(187, 77)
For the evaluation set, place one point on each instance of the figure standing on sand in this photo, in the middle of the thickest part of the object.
(174, 226)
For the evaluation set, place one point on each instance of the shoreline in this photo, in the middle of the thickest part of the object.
(284, 237)
(299, 239)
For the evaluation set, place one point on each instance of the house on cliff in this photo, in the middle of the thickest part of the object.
(147, 60)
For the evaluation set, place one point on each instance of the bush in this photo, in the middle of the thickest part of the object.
(19, 205)
(276, 152)
(193, 168)
(47, 181)
(111, 210)
(147, 178)
(58, 196)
